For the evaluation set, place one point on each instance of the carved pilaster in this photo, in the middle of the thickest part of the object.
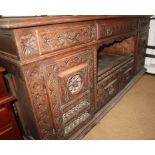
(40, 103)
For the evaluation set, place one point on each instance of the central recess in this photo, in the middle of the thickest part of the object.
(115, 68)
(114, 53)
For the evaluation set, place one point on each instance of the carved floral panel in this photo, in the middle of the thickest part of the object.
(27, 43)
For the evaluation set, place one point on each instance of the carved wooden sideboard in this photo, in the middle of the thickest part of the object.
(68, 71)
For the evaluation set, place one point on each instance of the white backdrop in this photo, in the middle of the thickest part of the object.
(150, 62)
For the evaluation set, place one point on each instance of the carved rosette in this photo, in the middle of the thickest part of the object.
(58, 39)
(28, 44)
(75, 84)
(35, 80)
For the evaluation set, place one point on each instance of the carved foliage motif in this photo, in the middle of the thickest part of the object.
(54, 40)
(40, 101)
(28, 44)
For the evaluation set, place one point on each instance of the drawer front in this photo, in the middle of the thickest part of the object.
(107, 88)
(107, 29)
(69, 84)
(58, 37)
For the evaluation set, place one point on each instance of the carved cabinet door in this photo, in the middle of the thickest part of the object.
(69, 85)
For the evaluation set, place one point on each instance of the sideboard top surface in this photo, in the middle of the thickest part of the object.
(20, 22)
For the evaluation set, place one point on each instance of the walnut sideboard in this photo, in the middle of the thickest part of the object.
(67, 72)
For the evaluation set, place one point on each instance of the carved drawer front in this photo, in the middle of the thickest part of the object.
(69, 82)
(107, 29)
(52, 38)
(74, 108)
(107, 88)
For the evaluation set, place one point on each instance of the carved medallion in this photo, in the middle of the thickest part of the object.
(75, 84)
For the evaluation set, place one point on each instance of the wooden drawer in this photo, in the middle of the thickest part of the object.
(111, 28)
(107, 88)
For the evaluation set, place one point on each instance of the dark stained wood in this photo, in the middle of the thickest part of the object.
(64, 69)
